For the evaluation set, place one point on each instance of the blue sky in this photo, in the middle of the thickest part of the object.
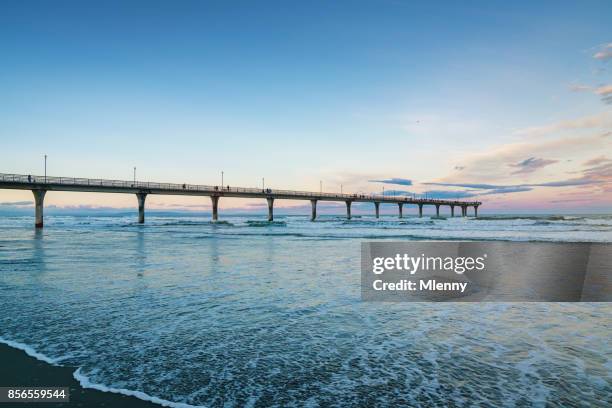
(351, 93)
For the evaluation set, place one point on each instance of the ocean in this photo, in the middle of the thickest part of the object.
(185, 312)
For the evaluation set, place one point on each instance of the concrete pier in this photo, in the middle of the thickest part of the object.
(215, 207)
(452, 210)
(313, 214)
(141, 206)
(270, 208)
(39, 198)
(39, 185)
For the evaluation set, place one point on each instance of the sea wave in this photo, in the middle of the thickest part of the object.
(256, 223)
(190, 223)
(87, 383)
(526, 217)
(30, 351)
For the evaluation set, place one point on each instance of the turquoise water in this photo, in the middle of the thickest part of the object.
(246, 313)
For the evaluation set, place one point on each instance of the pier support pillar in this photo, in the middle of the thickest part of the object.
(215, 207)
(141, 206)
(39, 198)
(452, 210)
(420, 210)
(348, 209)
(476, 211)
(401, 207)
(377, 206)
(270, 208)
(437, 210)
(313, 214)
(463, 211)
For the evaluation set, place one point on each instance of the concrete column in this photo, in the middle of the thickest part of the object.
(476, 211)
(348, 210)
(463, 211)
(215, 207)
(420, 210)
(452, 210)
(401, 207)
(437, 210)
(270, 208)
(377, 206)
(141, 206)
(313, 215)
(39, 198)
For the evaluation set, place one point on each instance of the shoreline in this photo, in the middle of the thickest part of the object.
(21, 369)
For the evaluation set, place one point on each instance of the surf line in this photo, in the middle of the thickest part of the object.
(410, 285)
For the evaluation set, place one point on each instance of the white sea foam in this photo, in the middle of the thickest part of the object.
(30, 351)
(86, 383)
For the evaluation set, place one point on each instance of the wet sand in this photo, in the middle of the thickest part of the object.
(19, 369)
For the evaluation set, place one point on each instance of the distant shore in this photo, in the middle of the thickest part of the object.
(19, 369)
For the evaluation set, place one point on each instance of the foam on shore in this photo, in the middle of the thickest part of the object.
(30, 351)
(85, 382)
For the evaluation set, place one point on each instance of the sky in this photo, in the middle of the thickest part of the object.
(508, 103)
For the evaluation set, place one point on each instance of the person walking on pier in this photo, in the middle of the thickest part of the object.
(29, 178)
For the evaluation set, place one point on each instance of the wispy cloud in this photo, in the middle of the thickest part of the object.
(398, 193)
(561, 183)
(581, 88)
(597, 160)
(601, 120)
(446, 194)
(16, 203)
(394, 180)
(605, 92)
(604, 53)
(531, 164)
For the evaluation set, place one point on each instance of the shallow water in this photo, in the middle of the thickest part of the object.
(245, 313)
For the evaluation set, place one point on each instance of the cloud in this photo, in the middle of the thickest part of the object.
(581, 88)
(604, 90)
(597, 160)
(394, 180)
(447, 194)
(602, 172)
(480, 189)
(604, 53)
(601, 120)
(531, 164)
(562, 183)
(397, 193)
(606, 93)
(491, 166)
(17, 203)
(508, 189)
